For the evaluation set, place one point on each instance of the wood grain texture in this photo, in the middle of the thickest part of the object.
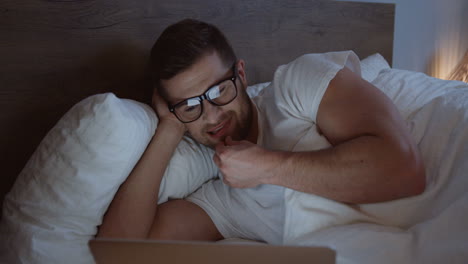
(56, 53)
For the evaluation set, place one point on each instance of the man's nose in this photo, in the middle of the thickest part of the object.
(211, 112)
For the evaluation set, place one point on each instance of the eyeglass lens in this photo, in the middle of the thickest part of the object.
(221, 94)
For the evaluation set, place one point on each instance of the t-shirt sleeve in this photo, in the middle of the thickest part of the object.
(300, 85)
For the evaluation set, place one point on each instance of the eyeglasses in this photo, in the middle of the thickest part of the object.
(220, 94)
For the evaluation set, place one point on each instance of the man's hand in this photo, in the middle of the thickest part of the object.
(244, 164)
(165, 116)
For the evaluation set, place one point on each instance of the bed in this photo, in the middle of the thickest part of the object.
(57, 53)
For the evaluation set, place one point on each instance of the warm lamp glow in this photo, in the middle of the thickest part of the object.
(461, 71)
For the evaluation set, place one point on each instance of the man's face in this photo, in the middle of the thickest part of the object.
(216, 122)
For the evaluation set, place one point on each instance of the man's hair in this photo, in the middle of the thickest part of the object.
(182, 44)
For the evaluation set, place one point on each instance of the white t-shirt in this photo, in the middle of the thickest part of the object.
(288, 107)
(287, 111)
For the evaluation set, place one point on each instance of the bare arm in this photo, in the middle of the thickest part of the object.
(372, 158)
(133, 209)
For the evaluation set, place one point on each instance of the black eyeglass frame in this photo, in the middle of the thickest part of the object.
(204, 96)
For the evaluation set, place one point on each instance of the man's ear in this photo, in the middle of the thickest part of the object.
(241, 72)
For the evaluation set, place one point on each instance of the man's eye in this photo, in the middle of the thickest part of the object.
(190, 109)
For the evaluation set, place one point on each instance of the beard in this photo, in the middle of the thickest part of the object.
(240, 121)
(245, 118)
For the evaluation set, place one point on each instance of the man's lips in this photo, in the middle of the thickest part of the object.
(219, 130)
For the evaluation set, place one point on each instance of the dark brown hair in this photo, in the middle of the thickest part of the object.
(182, 44)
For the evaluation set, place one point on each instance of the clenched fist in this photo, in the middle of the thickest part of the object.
(244, 164)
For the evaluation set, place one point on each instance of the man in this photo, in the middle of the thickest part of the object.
(323, 131)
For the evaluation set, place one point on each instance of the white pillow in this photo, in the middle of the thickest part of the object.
(255, 89)
(410, 90)
(372, 65)
(59, 198)
(191, 166)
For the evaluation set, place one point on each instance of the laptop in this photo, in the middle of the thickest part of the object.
(116, 251)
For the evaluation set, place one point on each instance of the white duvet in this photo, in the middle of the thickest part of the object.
(429, 228)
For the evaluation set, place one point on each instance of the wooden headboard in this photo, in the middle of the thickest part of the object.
(55, 53)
